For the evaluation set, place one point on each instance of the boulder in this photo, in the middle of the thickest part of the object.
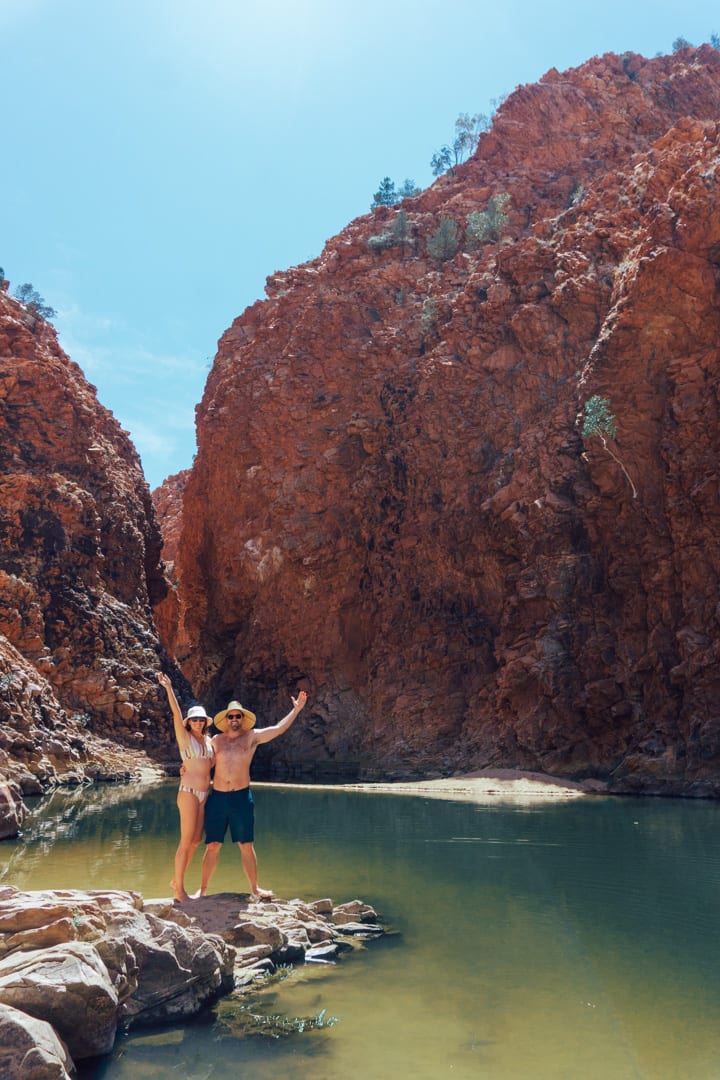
(69, 987)
(176, 969)
(30, 1048)
(355, 911)
(158, 970)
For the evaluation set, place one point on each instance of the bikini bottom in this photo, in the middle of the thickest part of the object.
(201, 796)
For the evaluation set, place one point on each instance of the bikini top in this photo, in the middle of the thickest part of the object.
(196, 749)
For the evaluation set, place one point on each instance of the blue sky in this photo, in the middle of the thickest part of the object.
(162, 157)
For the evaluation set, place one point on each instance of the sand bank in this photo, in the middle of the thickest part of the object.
(485, 786)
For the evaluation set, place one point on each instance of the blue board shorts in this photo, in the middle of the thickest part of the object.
(233, 808)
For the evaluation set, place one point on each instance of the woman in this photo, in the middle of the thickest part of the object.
(198, 758)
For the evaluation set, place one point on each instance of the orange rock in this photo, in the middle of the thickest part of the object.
(392, 504)
(79, 567)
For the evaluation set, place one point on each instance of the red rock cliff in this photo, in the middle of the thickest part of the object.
(79, 568)
(392, 503)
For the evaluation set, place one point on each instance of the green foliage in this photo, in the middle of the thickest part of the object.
(10, 678)
(246, 1017)
(597, 418)
(441, 161)
(715, 41)
(577, 194)
(599, 421)
(381, 241)
(468, 130)
(408, 189)
(488, 224)
(429, 316)
(387, 194)
(444, 242)
(33, 302)
(398, 235)
(680, 43)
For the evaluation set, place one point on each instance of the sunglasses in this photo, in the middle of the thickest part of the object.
(198, 719)
(235, 715)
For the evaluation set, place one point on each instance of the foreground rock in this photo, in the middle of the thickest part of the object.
(77, 966)
(270, 932)
(31, 1048)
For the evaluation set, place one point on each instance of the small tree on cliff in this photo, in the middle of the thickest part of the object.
(599, 422)
(444, 242)
(398, 235)
(33, 302)
(387, 194)
(468, 130)
(488, 224)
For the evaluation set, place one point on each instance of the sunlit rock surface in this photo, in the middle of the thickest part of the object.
(392, 504)
(31, 1048)
(79, 566)
(90, 962)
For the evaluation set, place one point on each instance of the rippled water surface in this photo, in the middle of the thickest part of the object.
(576, 940)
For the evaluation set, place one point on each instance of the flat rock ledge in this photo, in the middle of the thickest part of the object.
(77, 966)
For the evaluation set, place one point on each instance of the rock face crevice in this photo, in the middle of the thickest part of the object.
(392, 503)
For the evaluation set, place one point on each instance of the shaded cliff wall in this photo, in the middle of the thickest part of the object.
(79, 569)
(168, 501)
(392, 504)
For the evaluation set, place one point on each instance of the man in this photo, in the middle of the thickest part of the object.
(230, 800)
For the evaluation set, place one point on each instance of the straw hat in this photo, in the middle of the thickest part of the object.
(248, 721)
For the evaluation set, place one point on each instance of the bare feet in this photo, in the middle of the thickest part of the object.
(178, 894)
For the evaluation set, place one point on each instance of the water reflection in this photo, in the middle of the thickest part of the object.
(575, 939)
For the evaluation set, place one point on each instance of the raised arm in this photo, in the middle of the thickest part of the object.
(267, 734)
(180, 732)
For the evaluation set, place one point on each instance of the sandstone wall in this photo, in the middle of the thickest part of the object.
(79, 569)
(392, 504)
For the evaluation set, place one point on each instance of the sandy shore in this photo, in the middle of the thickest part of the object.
(486, 786)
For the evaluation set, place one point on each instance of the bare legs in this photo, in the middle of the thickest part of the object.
(249, 864)
(210, 858)
(192, 815)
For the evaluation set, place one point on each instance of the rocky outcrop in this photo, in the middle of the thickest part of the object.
(75, 966)
(31, 1048)
(87, 962)
(418, 533)
(168, 502)
(79, 565)
(12, 809)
